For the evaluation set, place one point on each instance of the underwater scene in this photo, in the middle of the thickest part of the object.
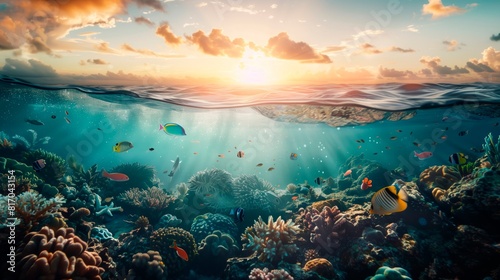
(249, 139)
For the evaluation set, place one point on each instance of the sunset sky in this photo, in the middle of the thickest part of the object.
(249, 42)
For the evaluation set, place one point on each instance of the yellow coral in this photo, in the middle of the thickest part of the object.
(439, 176)
(321, 266)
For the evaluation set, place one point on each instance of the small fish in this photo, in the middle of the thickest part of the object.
(347, 173)
(375, 153)
(259, 164)
(360, 141)
(221, 155)
(151, 149)
(458, 158)
(399, 130)
(388, 200)
(387, 147)
(34, 122)
(240, 154)
(108, 199)
(117, 177)
(444, 119)
(411, 132)
(176, 163)
(422, 155)
(394, 138)
(195, 153)
(293, 156)
(67, 120)
(67, 113)
(318, 180)
(416, 144)
(173, 129)
(180, 252)
(270, 169)
(496, 124)
(366, 183)
(53, 116)
(463, 133)
(122, 147)
(238, 214)
(295, 197)
(99, 129)
(444, 137)
(39, 164)
(359, 147)
(288, 211)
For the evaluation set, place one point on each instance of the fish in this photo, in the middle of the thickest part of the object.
(366, 183)
(238, 214)
(293, 156)
(375, 153)
(388, 200)
(174, 167)
(422, 155)
(360, 141)
(122, 147)
(295, 197)
(444, 137)
(463, 133)
(221, 155)
(496, 124)
(411, 132)
(399, 130)
(99, 129)
(387, 147)
(303, 190)
(394, 138)
(347, 173)
(39, 164)
(108, 199)
(53, 116)
(195, 153)
(458, 158)
(66, 112)
(117, 177)
(270, 169)
(416, 144)
(67, 120)
(180, 252)
(318, 180)
(259, 164)
(173, 129)
(151, 149)
(34, 122)
(240, 154)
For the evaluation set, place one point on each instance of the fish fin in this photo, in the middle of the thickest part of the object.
(172, 161)
(401, 205)
(103, 172)
(403, 195)
(415, 154)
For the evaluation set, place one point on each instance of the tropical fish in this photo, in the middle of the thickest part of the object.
(293, 156)
(66, 112)
(173, 129)
(360, 141)
(117, 177)
(67, 120)
(295, 197)
(108, 199)
(318, 180)
(259, 164)
(366, 183)
(174, 167)
(34, 122)
(422, 155)
(238, 214)
(122, 147)
(53, 116)
(180, 252)
(463, 133)
(399, 130)
(240, 154)
(458, 158)
(270, 169)
(416, 144)
(394, 138)
(347, 173)
(39, 164)
(388, 200)
(221, 155)
(151, 149)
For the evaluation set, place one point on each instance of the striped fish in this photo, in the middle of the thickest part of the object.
(388, 200)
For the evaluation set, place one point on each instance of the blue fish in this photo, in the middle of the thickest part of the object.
(173, 129)
(238, 214)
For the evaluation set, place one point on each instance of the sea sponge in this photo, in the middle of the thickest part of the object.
(388, 273)
(47, 255)
(321, 266)
(438, 194)
(272, 241)
(163, 238)
(439, 176)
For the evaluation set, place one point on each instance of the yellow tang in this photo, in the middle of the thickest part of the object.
(388, 200)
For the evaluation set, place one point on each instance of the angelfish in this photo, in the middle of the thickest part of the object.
(174, 167)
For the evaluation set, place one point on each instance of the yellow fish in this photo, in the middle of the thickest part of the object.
(388, 200)
(122, 147)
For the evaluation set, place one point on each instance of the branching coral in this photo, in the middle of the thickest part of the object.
(59, 255)
(250, 192)
(492, 149)
(55, 166)
(272, 241)
(91, 176)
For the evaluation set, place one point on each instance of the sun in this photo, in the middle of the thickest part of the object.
(252, 70)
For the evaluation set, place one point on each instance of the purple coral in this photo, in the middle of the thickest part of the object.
(265, 274)
(325, 227)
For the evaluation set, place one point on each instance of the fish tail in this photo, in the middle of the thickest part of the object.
(415, 154)
(161, 127)
(174, 245)
(104, 173)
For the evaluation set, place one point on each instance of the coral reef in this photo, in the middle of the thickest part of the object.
(265, 274)
(147, 266)
(438, 194)
(20, 169)
(491, 149)
(33, 142)
(321, 266)
(388, 273)
(152, 202)
(91, 176)
(55, 166)
(168, 220)
(206, 224)
(215, 182)
(140, 176)
(214, 251)
(441, 176)
(272, 241)
(142, 222)
(100, 233)
(56, 255)
(251, 192)
(163, 238)
(104, 209)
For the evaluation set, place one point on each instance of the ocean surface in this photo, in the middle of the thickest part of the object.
(324, 125)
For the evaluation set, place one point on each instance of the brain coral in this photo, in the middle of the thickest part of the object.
(321, 266)
(272, 241)
(388, 273)
(205, 224)
(59, 255)
(439, 176)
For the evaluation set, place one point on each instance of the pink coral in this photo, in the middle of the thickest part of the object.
(265, 274)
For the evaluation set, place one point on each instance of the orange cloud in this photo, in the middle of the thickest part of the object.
(369, 49)
(437, 9)
(393, 73)
(280, 46)
(218, 44)
(398, 49)
(434, 64)
(129, 48)
(164, 31)
(143, 20)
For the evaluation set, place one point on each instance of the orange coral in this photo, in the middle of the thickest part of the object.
(321, 266)
(439, 176)
(438, 194)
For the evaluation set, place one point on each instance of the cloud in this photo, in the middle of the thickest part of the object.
(96, 61)
(170, 38)
(411, 28)
(369, 49)
(398, 49)
(156, 4)
(280, 46)
(393, 73)
(452, 45)
(27, 69)
(437, 9)
(333, 49)
(202, 4)
(478, 67)
(367, 33)
(104, 47)
(495, 37)
(218, 44)
(491, 57)
(146, 52)
(434, 64)
(143, 20)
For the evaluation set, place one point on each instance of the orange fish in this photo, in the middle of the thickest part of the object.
(180, 252)
(221, 155)
(347, 173)
(118, 177)
(294, 197)
(365, 184)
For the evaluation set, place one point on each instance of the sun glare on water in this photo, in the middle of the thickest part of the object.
(252, 70)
